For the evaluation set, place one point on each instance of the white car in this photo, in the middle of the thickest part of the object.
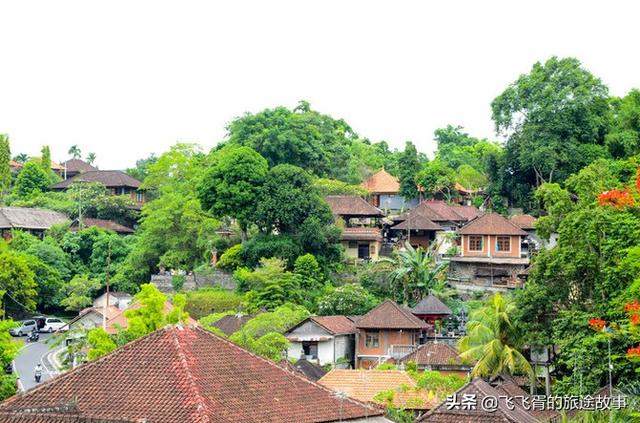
(25, 327)
(53, 324)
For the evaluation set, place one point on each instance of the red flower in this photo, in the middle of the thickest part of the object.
(597, 324)
(616, 198)
(633, 352)
(632, 306)
(635, 319)
(638, 179)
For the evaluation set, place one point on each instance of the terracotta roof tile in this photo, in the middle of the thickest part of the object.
(431, 305)
(232, 323)
(382, 182)
(337, 325)
(491, 224)
(524, 221)
(468, 212)
(481, 389)
(444, 210)
(351, 205)
(189, 375)
(364, 385)
(77, 165)
(390, 315)
(434, 354)
(361, 234)
(418, 220)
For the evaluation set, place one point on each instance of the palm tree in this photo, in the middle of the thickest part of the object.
(75, 151)
(490, 340)
(21, 158)
(91, 157)
(416, 271)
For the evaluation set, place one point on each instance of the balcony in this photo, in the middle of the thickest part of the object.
(398, 351)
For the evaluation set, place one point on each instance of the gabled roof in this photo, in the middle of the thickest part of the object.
(109, 178)
(77, 165)
(28, 218)
(480, 389)
(491, 224)
(361, 234)
(524, 221)
(232, 323)
(112, 311)
(382, 182)
(390, 315)
(187, 374)
(434, 353)
(352, 205)
(431, 305)
(444, 210)
(336, 325)
(417, 221)
(108, 225)
(364, 385)
(468, 212)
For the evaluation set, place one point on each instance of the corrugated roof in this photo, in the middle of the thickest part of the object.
(352, 205)
(382, 182)
(109, 178)
(390, 315)
(364, 385)
(491, 224)
(188, 374)
(29, 218)
(431, 305)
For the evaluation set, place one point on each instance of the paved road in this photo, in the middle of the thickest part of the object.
(29, 355)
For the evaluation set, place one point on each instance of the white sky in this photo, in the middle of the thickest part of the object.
(127, 78)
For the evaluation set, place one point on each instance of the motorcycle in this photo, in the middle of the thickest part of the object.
(33, 337)
(38, 375)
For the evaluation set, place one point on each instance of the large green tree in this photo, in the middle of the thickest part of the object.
(555, 118)
(408, 167)
(5, 168)
(31, 180)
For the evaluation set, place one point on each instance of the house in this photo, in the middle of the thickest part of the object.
(360, 221)
(366, 385)
(465, 406)
(117, 182)
(183, 374)
(323, 340)
(75, 167)
(431, 309)
(107, 225)
(232, 323)
(34, 221)
(417, 229)
(388, 332)
(491, 254)
(384, 192)
(121, 300)
(434, 355)
(93, 317)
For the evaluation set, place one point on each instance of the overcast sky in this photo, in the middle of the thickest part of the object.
(124, 79)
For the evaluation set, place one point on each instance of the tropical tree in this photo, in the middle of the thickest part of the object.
(75, 151)
(5, 168)
(45, 160)
(415, 271)
(91, 157)
(32, 179)
(491, 340)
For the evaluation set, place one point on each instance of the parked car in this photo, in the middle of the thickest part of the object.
(53, 324)
(25, 327)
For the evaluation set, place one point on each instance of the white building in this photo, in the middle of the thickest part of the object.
(116, 299)
(323, 340)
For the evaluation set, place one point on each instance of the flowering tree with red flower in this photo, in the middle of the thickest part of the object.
(597, 324)
(616, 198)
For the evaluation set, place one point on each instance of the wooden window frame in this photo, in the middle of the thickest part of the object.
(472, 241)
(503, 238)
(372, 339)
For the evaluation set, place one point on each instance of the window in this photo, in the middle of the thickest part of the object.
(139, 197)
(372, 339)
(503, 243)
(475, 242)
(310, 349)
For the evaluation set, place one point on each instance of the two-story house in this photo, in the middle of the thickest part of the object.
(360, 223)
(388, 332)
(117, 182)
(491, 254)
(384, 193)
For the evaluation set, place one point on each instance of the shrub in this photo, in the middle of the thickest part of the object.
(349, 299)
(177, 282)
(231, 259)
(267, 246)
(203, 302)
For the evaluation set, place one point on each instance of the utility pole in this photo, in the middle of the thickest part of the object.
(106, 303)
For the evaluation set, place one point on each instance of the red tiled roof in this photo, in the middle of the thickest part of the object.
(390, 315)
(337, 325)
(351, 205)
(189, 375)
(468, 212)
(431, 305)
(434, 354)
(444, 210)
(364, 385)
(77, 165)
(480, 389)
(491, 224)
(382, 182)
(417, 220)
(232, 323)
(361, 234)
(524, 221)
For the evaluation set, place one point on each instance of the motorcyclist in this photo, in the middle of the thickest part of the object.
(38, 372)
(33, 336)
